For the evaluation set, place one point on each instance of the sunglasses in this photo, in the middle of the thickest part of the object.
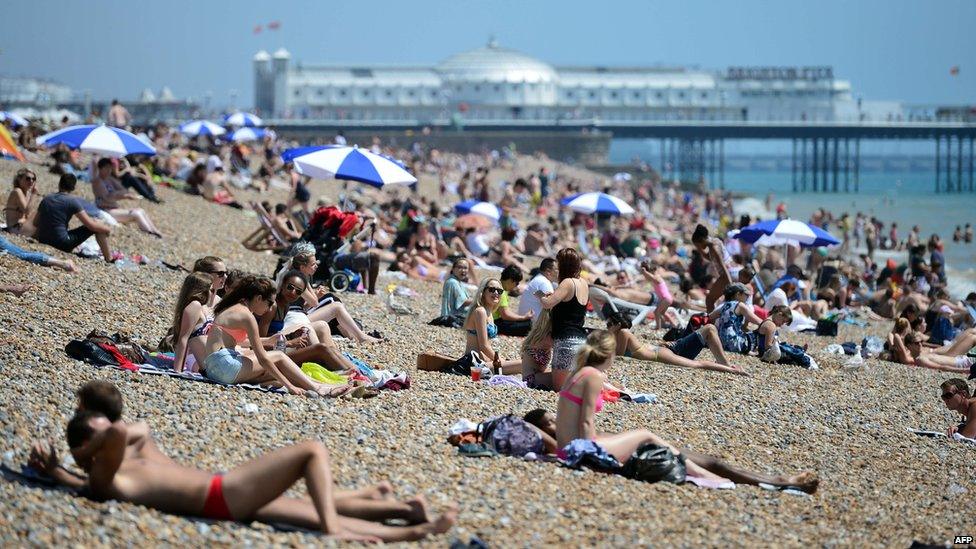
(947, 395)
(292, 288)
(219, 273)
(496, 291)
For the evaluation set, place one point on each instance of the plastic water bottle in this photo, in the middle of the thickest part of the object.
(281, 344)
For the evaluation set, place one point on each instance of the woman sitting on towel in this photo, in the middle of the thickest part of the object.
(191, 320)
(305, 341)
(234, 324)
(537, 353)
(682, 352)
(580, 400)
(316, 302)
(480, 329)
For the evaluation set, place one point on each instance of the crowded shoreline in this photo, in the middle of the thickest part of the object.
(840, 420)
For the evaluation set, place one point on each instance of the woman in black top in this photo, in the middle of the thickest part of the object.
(568, 306)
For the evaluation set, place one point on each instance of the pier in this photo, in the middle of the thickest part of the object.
(826, 156)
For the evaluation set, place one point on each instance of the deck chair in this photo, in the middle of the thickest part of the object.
(265, 237)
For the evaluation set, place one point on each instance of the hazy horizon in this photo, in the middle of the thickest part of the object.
(889, 50)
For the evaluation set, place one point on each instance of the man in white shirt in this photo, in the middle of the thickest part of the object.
(542, 282)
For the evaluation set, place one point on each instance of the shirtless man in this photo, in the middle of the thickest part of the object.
(714, 251)
(124, 463)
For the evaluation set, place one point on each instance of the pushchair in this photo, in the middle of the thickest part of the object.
(327, 229)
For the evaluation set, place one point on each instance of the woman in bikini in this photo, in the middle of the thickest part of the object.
(908, 350)
(537, 353)
(191, 319)
(417, 268)
(682, 352)
(580, 400)
(234, 323)
(21, 207)
(480, 329)
(423, 244)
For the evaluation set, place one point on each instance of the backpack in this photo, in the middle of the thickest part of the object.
(511, 436)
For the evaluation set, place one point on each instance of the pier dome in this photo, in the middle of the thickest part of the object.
(493, 63)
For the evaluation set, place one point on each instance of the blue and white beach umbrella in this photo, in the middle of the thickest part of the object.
(350, 163)
(486, 209)
(103, 140)
(17, 119)
(776, 232)
(247, 134)
(201, 127)
(242, 120)
(589, 203)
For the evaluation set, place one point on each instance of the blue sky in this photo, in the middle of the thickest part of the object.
(888, 49)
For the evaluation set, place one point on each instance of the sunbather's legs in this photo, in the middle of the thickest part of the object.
(102, 240)
(623, 445)
(135, 215)
(667, 356)
(322, 354)
(253, 485)
(962, 344)
(356, 516)
(806, 481)
(347, 325)
(710, 333)
(251, 371)
(301, 511)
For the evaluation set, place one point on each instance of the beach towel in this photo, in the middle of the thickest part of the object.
(165, 368)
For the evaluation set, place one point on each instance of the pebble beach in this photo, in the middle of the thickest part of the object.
(879, 484)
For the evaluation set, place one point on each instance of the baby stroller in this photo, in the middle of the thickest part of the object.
(327, 230)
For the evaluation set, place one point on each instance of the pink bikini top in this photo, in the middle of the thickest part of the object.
(565, 393)
(239, 334)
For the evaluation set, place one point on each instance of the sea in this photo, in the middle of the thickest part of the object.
(906, 197)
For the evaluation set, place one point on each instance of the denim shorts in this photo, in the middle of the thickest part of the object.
(689, 346)
(223, 366)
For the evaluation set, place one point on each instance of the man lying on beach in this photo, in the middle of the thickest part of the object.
(123, 463)
(957, 398)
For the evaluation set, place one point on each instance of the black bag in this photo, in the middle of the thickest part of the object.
(462, 366)
(89, 351)
(654, 463)
(448, 321)
(826, 327)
